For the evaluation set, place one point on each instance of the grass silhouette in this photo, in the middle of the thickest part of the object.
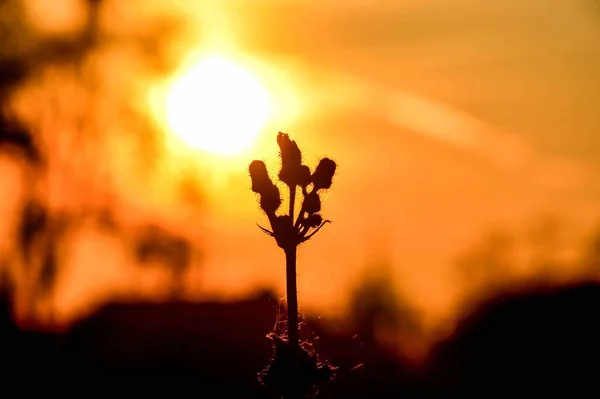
(295, 372)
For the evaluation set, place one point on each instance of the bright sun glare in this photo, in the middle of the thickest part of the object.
(217, 106)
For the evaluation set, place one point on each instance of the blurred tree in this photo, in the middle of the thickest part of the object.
(7, 326)
(487, 263)
(376, 307)
(546, 240)
(5, 285)
(38, 232)
(13, 57)
(16, 140)
(55, 64)
(156, 246)
(34, 219)
(39, 237)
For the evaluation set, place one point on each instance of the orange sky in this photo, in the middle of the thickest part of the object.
(447, 119)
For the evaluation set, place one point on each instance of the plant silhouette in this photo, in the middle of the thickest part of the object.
(294, 372)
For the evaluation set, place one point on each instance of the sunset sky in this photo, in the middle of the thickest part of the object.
(448, 119)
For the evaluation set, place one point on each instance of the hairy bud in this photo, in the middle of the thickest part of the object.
(323, 175)
(314, 220)
(312, 203)
(261, 181)
(291, 160)
(270, 199)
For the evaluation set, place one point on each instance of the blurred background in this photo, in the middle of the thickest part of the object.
(466, 134)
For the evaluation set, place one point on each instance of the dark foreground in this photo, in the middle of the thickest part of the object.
(543, 341)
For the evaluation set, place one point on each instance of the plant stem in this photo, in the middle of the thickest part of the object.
(290, 271)
(292, 294)
(292, 202)
(297, 223)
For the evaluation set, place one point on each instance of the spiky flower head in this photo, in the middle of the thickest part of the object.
(260, 177)
(270, 198)
(312, 203)
(323, 176)
(291, 160)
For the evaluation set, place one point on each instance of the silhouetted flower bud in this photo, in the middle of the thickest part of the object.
(270, 199)
(323, 175)
(260, 177)
(291, 160)
(314, 220)
(312, 203)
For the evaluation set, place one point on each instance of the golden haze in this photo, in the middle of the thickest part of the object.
(441, 131)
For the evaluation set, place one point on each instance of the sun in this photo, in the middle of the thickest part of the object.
(217, 106)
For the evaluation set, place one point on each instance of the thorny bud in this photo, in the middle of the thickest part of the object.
(270, 199)
(312, 203)
(323, 175)
(304, 176)
(313, 220)
(291, 160)
(261, 181)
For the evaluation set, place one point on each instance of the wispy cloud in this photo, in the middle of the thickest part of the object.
(497, 147)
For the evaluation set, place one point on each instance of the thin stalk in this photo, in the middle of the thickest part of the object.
(290, 271)
(292, 294)
(292, 201)
(297, 224)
